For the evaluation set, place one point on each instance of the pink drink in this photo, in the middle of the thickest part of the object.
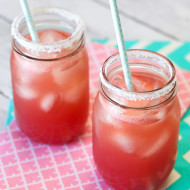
(51, 88)
(135, 141)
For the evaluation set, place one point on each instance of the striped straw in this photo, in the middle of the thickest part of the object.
(29, 21)
(121, 44)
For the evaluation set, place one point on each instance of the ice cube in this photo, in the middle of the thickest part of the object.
(112, 111)
(73, 94)
(124, 142)
(155, 115)
(68, 73)
(118, 80)
(48, 101)
(160, 114)
(25, 92)
(60, 77)
(27, 70)
(138, 117)
(139, 85)
(50, 37)
(159, 143)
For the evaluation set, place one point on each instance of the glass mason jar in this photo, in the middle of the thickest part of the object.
(135, 134)
(50, 79)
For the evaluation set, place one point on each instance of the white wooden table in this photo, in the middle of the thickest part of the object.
(141, 20)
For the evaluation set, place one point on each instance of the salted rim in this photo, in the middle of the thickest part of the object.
(143, 95)
(48, 47)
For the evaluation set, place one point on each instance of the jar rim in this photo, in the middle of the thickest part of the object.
(142, 95)
(53, 46)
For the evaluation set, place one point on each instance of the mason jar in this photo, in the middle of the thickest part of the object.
(135, 133)
(50, 79)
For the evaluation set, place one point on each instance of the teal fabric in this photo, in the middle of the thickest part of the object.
(10, 115)
(182, 166)
(156, 45)
(179, 56)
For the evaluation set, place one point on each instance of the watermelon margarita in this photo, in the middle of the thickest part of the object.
(135, 134)
(50, 79)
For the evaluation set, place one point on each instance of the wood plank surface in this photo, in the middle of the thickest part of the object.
(141, 20)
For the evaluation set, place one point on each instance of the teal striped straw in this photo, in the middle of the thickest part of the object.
(121, 44)
(29, 21)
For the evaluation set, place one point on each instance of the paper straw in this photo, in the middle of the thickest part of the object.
(29, 21)
(121, 44)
